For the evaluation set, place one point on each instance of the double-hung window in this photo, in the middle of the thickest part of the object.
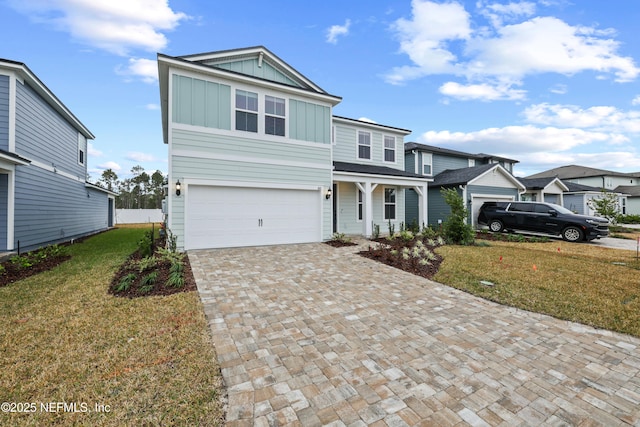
(364, 145)
(389, 203)
(274, 115)
(389, 149)
(246, 111)
(427, 160)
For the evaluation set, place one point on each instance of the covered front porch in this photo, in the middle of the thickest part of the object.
(366, 196)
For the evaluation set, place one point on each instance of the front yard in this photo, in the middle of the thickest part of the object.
(74, 355)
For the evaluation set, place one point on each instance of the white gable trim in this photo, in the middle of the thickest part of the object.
(504, 172)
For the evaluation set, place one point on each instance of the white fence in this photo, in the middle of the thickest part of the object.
(138, 216)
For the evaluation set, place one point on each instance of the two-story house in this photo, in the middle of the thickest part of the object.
(477, 178)
(256, 156)
(44, 195)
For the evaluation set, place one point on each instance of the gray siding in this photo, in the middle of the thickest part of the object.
(4, 113)
(575, 203)
(411, 206)
(438, 209)
(442, 163)
(51, 208)
(43, 136)
(410, 162)
(4, 194)
(201, 103)
(346, 145)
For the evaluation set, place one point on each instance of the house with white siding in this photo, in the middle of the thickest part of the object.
(478, 178)
(257, 157)
(44, 195)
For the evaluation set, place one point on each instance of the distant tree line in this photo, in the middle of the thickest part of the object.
(141, 191)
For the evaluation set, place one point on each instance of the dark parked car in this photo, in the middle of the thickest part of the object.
(540, 217)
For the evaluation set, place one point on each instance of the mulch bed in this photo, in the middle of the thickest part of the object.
(381, 252)
(160, 287)
(339, 244)
(13, 273)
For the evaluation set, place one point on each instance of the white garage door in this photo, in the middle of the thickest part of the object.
(478, 201)
(220, 217)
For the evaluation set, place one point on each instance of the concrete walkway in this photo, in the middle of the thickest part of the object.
(311, 335)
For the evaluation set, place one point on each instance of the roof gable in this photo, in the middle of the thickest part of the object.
(258, 62)
(466, 176)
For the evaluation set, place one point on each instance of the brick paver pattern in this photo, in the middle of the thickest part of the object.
(313, 335)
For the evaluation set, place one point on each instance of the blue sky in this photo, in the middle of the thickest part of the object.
(546, 82)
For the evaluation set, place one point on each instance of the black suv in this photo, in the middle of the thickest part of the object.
(542, 218)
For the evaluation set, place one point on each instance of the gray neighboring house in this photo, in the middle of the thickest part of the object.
(44, 195)
(550, 190)
(478, 178)
(590, 182)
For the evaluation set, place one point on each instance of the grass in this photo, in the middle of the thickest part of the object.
(578, 282)
(149, 361)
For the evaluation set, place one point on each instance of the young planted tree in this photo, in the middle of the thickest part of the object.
(455, 228)
(606, 205)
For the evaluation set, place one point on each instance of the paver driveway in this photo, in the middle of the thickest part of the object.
(313, 335)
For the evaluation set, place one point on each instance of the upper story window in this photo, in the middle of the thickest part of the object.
(246, 111)
(472, 162)
(389, 149)
(364, 145)
(274, 116)
(427, 160)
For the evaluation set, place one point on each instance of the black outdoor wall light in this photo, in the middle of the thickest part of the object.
(178, 186)
(328, 194)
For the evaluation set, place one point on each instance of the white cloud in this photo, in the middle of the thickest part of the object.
(152, 107)
(600, 118)
(110, 165)
(338, 30)
(140, 157)
(482, 92)
(443, 39)
(93, 152)
(636, 100)
(145, 69)
(117, 26)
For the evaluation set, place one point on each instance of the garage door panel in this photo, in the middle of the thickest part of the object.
(478, 201)
(241, 216)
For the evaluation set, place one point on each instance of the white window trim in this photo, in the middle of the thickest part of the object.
(370, 159)
(358, 203)
(395, 149)
(425, 157)
(264, 100)
(384, 203)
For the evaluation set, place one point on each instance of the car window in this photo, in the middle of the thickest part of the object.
(542, 209)
(521, 207)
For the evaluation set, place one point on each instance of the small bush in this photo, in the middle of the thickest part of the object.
(126, 282)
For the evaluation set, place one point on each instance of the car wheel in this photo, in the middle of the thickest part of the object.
(572, 234)
(496, 226)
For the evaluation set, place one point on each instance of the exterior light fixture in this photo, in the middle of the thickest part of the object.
(328, 194)
(178, 186)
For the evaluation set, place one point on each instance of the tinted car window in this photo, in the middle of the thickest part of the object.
(542, 209)
(521, 207)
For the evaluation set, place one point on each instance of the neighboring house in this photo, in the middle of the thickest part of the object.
(625, 184)
(548, 190)
(630, 204)
(44, 195)
(598, 178)
(477, 177)
(577, 198)
(260, 159)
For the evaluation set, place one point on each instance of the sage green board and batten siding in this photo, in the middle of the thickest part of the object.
(251, 67)
(209, 104)
(346, 147)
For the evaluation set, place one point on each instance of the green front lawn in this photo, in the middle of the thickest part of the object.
(74, 355)
(579, 282)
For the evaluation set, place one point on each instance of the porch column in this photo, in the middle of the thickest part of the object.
(421, 190)
(367, 200)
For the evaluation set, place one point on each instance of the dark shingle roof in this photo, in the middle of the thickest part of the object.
(632, 190)
(460, 176)
(373, 170)
(575, 171)
(409, 146)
